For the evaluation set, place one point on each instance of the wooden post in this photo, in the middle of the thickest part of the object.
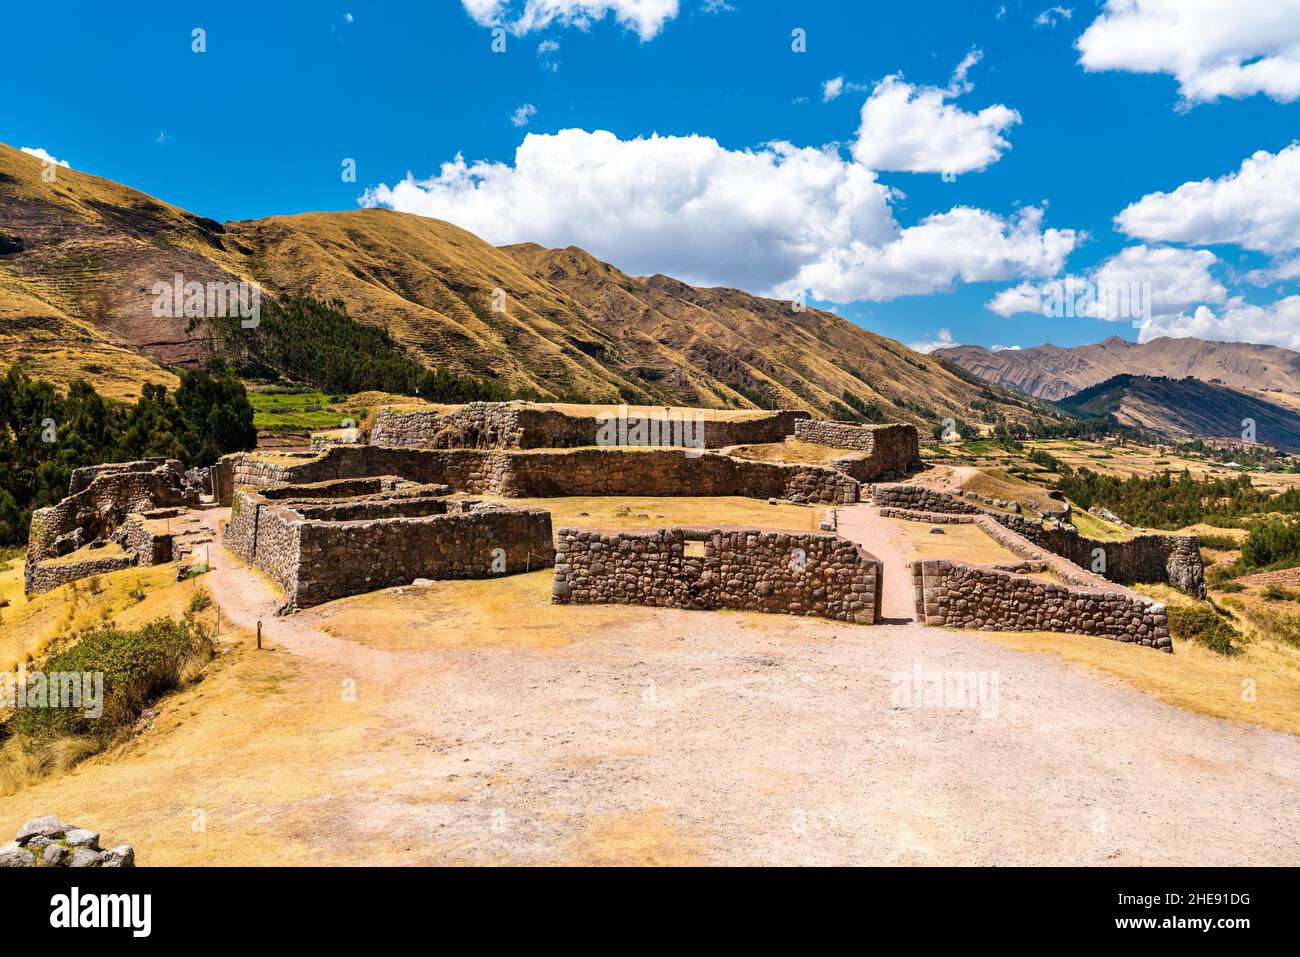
(218, 621)
(259, 634)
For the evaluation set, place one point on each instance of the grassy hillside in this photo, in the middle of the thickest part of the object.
(79, 257)
(1182, 408)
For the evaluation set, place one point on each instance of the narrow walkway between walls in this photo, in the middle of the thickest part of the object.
(863, 524)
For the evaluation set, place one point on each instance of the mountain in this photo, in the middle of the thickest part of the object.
(1051, 372)
(79, 258)
(1187, 408)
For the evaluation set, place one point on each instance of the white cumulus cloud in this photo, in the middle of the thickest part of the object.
(1276, 323)
(42, 154)
(774, 220)
(1178, 277)
(1257, 207)
(1165, 280)
(916, 129)
(1024, 297)
(1214, 48)
(943, 340)
(645, 17)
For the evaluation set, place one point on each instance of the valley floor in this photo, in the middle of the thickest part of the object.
(477, 723)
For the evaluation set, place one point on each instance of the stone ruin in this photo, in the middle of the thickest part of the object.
(886, 451)
(116, 502)
(747, 569)
(1045, 592)
(1151, 559)
(330, 539)
(544, 473)
(523, 425)
(44, 842)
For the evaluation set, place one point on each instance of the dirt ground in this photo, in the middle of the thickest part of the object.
(434, 726)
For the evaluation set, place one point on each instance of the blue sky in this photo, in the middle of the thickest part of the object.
(1048, 150)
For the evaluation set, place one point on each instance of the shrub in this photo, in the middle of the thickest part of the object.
(1219, 575)
(1220, 543)
(1231, 587)
(1278, 593)
(137, 666)
(200, 600)
(1287, 629)
(1202, 625)
(1272, 543)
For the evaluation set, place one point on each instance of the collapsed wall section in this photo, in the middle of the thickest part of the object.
(100, 500)
(747, 569)
(879, 451)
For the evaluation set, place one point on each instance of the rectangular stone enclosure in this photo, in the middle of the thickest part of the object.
(331, 539)
(747, 569)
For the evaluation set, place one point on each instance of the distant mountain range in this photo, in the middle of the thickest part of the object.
(1182, 388)
(79, 258)
(1189, 408)
(1052, 372)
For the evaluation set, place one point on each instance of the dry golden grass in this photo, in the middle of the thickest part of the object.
(86, 553)
(1090, 526)
(665, 511)
(962, 543)
(511, 612)
(256, 746)
(649, 838)
(27, 627)
(794, 451)
(1192, 677)
(253, 753)
(114, 373)
(1146, 461)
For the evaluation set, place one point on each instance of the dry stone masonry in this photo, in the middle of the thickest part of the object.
(546, 473)
(957, 595)
(1172, 559)
(336, 538)
(522, 425)
(101, 498)
(741, 568)
(44, 842)
(881, 451)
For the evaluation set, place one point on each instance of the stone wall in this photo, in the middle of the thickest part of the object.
(103, 499)
(318, 547)
(142, 536)
(519, 425)
(46, 576)
(82, 477)
(920, 499)
(956, 595)
(741, 568)
(1151, 558)
(547, 473)
(881, 451)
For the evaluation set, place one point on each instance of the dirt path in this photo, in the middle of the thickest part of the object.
(747, 739)
(863, 524)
